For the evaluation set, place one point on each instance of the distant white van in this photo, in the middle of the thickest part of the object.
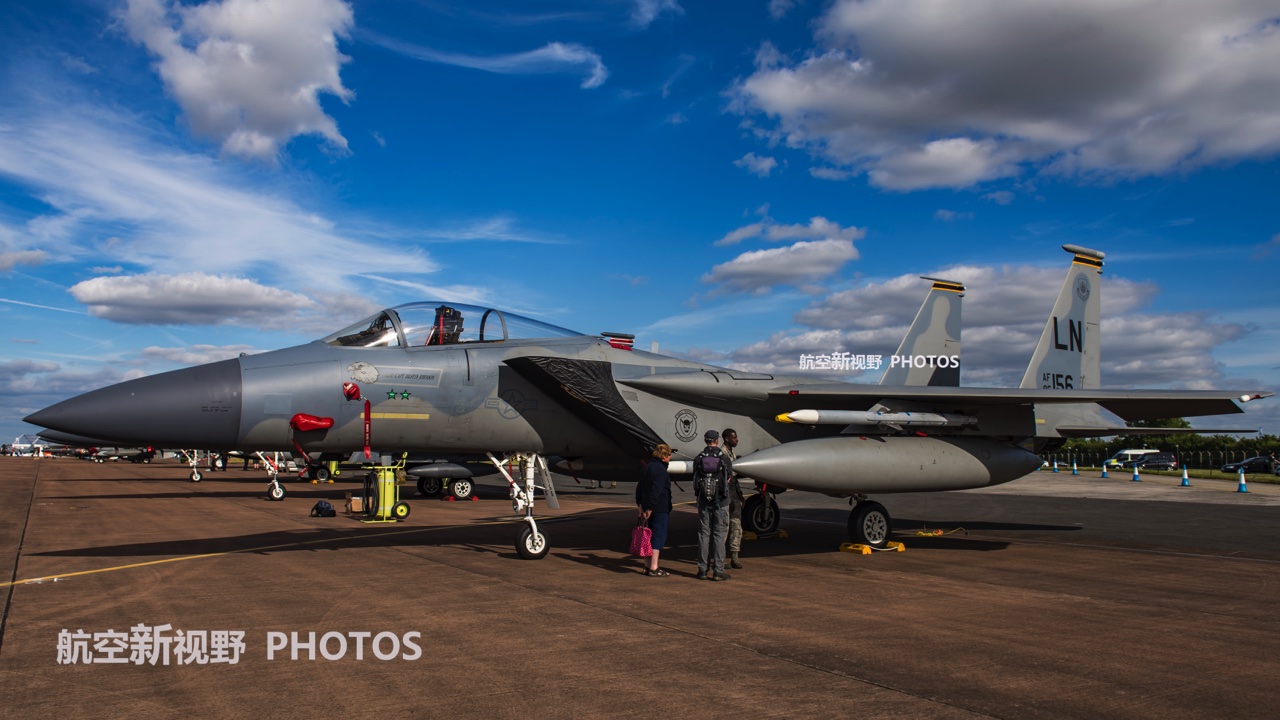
(1125, 456)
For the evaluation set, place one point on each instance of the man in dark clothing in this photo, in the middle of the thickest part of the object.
(713, 514)
(736, 499)
(653, 495)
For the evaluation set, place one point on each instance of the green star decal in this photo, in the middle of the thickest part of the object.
(391, 394)
(404, 395)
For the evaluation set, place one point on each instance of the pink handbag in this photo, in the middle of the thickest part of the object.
(641, 540)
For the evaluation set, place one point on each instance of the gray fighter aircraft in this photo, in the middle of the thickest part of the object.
(459, 381)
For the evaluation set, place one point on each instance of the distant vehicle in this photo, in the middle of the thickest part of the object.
(1126, 458)
(1156, 461)
(1252, 465)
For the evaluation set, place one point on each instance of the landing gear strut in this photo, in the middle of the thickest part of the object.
(275, 491)
(531, 543)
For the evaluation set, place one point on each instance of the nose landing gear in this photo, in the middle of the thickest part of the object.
(531, 543)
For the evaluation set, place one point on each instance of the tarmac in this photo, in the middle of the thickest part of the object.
(1055, 596)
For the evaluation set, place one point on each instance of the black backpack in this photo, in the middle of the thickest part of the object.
(710, 477)
(323, 509)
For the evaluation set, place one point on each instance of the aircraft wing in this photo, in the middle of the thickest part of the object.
(1128, 404)
(1104, 431)
(777, 396)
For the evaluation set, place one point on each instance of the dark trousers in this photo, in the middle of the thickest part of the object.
(713, 526)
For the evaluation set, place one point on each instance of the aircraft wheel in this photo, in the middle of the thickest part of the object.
(429, 487)
(275, 491)
(530, 546)
(760, 514)
(322, 474)
(869, 524)
(219, 463)
(196, 476)
(462, 489)
(400, 510)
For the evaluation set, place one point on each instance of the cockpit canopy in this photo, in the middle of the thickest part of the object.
(423, 324)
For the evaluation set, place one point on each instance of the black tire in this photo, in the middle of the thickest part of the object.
(869, 524)
(430, 487)
(760, 514)
(462, 488)
(322, 474)
(275, 491)
(196, 476)
(400, 510)
(218, 463)
(531, 548)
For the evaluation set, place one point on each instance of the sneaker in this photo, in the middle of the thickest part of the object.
(702, 575)
(721, 576)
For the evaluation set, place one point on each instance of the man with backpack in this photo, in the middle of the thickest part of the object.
(711, 470)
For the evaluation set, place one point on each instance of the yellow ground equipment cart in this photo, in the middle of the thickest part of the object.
(382, 492)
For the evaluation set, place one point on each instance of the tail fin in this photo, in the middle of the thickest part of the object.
(1068, 355)
(930, 351)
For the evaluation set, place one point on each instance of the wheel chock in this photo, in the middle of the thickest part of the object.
(315, 482)
(867, 549)
(475, 499)
(449, 498)
(748, 535)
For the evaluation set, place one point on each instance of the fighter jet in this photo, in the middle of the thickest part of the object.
(457, 381)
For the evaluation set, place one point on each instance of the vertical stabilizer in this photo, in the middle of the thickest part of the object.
(930, 351)
(1068, 354)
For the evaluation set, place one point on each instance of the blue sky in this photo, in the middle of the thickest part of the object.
(741, 182)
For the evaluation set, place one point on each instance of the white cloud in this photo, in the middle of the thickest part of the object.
(248, 73)
(551, 58)
(819, 228)
(190, 298)
(756, 164)
(196, 354)
(644, 12)
(826, 173)
(779, 8)
(999, 197)
(929, 93)
(803, 262)
(105, 176)
(10, 260)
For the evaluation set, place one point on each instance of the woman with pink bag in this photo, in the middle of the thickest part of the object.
(653, 495)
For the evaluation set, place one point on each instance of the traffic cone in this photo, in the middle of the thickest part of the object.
(1074, 471)
(1242, 487)
(1055, 466)
(1186, 481)
(1104, 470)
(1135, 474)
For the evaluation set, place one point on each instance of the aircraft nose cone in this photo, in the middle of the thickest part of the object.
(197, 407)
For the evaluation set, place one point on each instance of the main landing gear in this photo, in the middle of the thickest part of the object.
(457, 488)
(869, 522)
(531, 543)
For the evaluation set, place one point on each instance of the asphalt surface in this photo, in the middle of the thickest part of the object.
(1053, 596)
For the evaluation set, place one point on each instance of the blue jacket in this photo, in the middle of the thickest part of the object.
(653, 492)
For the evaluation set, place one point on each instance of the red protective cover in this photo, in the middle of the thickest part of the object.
(303, 422)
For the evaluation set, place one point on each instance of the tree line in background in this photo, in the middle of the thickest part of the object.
(1192, 450)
